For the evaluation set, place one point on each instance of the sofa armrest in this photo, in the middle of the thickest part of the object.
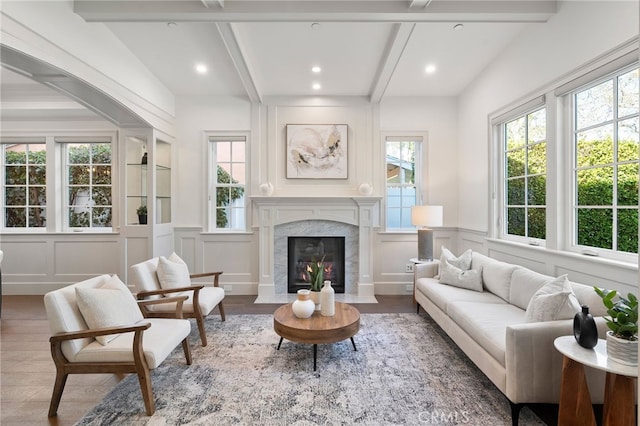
(534, 366)
(425, 270)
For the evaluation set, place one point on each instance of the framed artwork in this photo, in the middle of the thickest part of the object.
(317, 151)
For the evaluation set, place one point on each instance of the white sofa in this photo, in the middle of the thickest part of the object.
(491, 329)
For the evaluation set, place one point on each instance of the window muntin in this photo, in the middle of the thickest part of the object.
(605, 138)
(228, 182)
(25, 184)
(402, 166)
(88, 185)
(525, 163)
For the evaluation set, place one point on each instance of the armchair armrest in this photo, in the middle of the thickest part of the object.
(179, 300)
(195, 288)
(61, 337)
(215, 275)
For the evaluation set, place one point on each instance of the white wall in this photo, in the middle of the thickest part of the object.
(578, 33)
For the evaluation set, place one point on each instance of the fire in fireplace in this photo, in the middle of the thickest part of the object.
(303, 251)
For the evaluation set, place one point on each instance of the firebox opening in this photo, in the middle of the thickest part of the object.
(303, 251)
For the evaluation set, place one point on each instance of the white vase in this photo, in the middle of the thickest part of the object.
(303, 306)
(621, 350)
(327, 300)
(315, 296)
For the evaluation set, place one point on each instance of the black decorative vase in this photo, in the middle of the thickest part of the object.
(584, 329)
(144, 159)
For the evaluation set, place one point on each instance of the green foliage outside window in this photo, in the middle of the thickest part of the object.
(25, 187)
(225, 196)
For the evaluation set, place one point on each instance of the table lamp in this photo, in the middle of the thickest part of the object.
(426, 216)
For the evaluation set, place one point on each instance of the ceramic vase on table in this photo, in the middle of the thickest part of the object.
(327, 300)
(584, 329)
(303, 306)
(622, 350)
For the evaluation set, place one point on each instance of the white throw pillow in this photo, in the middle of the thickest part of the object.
(462, 262)
(553, 301)
(173, 273)
(470, 279)
(110, 305)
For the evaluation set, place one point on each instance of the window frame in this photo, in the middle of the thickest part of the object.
(420, 138)
(57, 203)
(571, 186)
(500, 149)
(211, 138)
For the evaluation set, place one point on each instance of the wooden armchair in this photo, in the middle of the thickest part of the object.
(202, 299)
(77, 347)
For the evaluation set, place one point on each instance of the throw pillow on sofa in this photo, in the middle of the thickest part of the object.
(553, 301)
(470, 279)
(462, 262)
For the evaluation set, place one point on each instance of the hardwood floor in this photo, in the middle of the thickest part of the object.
(27, 372)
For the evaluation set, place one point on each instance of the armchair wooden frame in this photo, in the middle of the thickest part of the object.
(197, 312)
(139, 364)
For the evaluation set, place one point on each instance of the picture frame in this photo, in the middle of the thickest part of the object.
(317, 151)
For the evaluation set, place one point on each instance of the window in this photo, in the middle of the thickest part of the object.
(525, 163)
(87, 186)
(228, 169)
(605, 137)
(403, 164)
(25, 183)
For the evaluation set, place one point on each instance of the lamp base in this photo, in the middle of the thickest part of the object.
(425, 244)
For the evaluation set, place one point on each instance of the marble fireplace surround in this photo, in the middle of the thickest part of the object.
(276, 218)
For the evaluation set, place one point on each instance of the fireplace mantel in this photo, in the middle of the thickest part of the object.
(269, 212)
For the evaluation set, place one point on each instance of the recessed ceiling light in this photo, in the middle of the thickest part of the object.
(316, 86)
(172, 24)
(201, 68)
(315, 26)
(458, 27)
(430, 69)
(316, 69)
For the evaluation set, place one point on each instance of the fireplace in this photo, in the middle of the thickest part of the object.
(303, 251)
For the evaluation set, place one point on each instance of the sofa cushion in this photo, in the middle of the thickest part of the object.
(496, 275)
(173, 273)
(553, 301)
(587, 296)
(442, 294)
(470, 279)
(486, 323)
(524, 284)
(110, 305)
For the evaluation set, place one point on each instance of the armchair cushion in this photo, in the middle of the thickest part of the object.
(209, 298)
(110, 305)
(159, 341)
(173, 273)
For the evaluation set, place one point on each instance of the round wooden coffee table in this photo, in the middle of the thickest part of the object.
(317, 329)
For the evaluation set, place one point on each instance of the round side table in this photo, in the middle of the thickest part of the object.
(575, 400)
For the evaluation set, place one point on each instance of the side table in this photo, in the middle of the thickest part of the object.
(575, 400)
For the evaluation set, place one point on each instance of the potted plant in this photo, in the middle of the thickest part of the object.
(142, 214)
(622, 337)
(315, 269)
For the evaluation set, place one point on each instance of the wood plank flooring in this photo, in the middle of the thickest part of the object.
(27, 372)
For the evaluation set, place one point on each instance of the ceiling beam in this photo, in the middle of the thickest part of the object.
(233, 47)
(419, 3)
(315, 11)
(213, 3)
(393, 52)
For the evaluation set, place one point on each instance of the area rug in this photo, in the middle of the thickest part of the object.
(405, 371)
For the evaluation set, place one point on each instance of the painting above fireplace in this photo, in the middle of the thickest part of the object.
(302, 251)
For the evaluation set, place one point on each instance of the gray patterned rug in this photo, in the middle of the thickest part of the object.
(406, 371)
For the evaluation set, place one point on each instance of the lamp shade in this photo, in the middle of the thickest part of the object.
(426, 216)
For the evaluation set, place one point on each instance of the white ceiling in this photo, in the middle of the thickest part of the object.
(265, 48)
